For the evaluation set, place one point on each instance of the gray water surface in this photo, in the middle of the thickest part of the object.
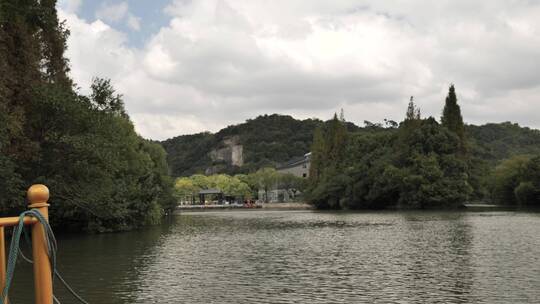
(307, 257)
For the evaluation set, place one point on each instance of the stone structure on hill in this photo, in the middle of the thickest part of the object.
(231, 153)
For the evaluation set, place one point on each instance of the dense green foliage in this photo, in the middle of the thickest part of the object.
(486, 145)
(490, 144)
(516, 181)
(495, 142)
(451, 118)
(188, 154)
(187, 188)
(101, 174)
(424, 164)
(415, 166)
(267, 140)
(329, 177)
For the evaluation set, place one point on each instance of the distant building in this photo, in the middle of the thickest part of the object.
(298, 166)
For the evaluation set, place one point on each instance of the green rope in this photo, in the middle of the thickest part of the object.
(52, 248)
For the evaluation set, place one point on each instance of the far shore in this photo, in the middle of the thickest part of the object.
(473, 207)
(261, 206)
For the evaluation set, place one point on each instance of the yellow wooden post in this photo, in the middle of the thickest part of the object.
(2, 262)
(38, 195)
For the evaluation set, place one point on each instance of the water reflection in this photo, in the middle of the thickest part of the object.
(437, 252)
(312, 257)
(100, 267)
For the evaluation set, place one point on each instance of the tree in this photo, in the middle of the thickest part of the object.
(516, 181)
(10, 181)
(371, 125)
(451, 118)
(103, 176)
(413, 112)
(291, 183)
(228, 185)
(335, 141)
(201, 181)
(250, 183)
(237, 188)
(392, 124)
(318, 156)
(507, 177)
(104, 97)
(265, 179)
(185, 188)
(433, 174)
(328, 181)
(416, 166)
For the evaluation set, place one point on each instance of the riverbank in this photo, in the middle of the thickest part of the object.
(473, 207)
(287, 206)
(487, 207)
(263, 206)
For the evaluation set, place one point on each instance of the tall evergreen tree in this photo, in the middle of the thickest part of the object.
(317, 155)
(336, 137)
(413, 112)
(328, 181)
(411, 123)
(451, 118)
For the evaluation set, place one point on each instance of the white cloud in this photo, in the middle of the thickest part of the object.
(96, 50)
(134, 22)
(70, 6)
(219, 62)
(116, 13)
(112, 12)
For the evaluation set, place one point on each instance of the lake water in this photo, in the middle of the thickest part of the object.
(307, 257)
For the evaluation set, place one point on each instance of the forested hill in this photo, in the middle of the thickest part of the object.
(497, 141)
(265, 140)
(269, 140)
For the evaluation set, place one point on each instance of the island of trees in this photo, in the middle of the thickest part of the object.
(420, 164)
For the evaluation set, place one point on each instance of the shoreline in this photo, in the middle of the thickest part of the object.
(475, 207)
(259, 207)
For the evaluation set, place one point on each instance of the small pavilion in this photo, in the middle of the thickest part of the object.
(218, 193)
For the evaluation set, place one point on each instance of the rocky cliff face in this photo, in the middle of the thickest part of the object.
(231, 153)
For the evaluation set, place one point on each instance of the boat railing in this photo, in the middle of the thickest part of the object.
(38, 196)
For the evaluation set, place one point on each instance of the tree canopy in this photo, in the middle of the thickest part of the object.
(240, 185)
(102, 175)
(415, 166)
(451, 118)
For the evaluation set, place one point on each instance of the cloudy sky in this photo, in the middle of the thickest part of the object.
(187, 66)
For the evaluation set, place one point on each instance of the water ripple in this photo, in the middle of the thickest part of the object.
(309, 257)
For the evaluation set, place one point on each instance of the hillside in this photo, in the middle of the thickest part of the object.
(496, 141)
(272, 139)
(265, 141)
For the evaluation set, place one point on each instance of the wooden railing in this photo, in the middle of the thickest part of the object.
(38, 195)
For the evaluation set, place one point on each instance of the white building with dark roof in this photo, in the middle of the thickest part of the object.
(298, 166)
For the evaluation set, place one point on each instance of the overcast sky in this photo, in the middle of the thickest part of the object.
(189, 66)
